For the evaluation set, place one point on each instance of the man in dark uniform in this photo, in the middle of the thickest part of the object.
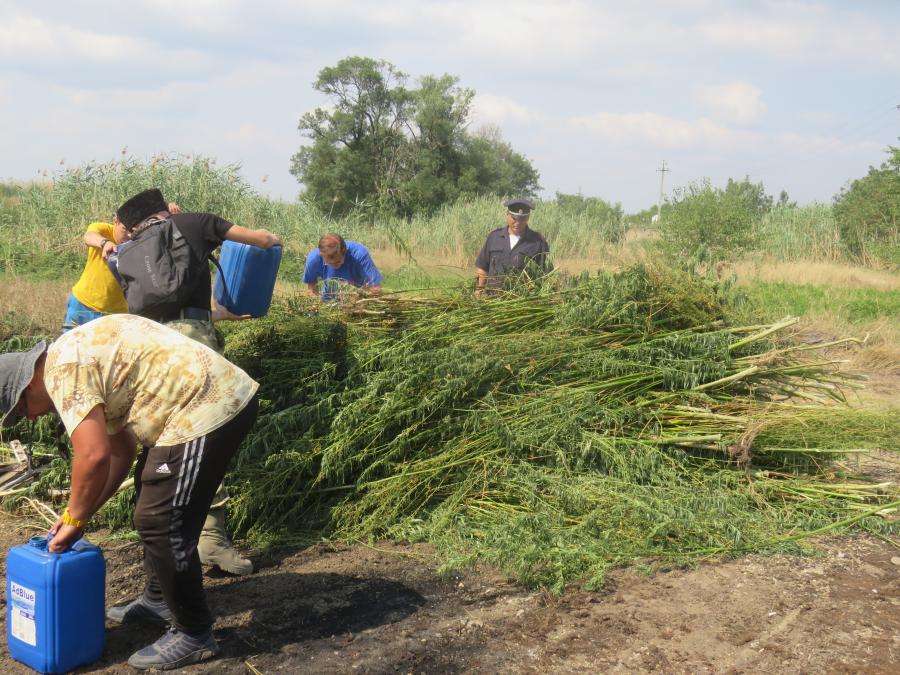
(509, 251)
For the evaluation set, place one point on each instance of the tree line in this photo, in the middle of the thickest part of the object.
(385, 148)
(392, 149)
(719, 221)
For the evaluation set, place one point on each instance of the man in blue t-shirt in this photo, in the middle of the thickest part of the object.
(339, 262)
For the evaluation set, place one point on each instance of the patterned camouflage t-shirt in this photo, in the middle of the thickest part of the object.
(166, 387)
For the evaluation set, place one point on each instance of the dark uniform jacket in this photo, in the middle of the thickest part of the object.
(499, 261)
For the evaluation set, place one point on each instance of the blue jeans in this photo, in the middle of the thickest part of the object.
(77, 314)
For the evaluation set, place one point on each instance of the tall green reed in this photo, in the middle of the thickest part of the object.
(800, 233)
(41, 223)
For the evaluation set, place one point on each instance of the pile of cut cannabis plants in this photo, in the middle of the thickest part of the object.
(555, 434)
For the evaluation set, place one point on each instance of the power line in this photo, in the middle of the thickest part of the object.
(858, 133)
(862, 118)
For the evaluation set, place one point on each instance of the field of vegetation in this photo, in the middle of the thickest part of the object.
(712, 385)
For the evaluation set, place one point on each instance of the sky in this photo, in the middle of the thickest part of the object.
(802, 96)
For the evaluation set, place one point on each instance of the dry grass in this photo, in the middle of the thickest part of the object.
(40, 304)
(880, 352)
(638, 235)
(878, 357)
(608, 258)
(820, 273)
(883, 331)
(452, 263)
(457, 263)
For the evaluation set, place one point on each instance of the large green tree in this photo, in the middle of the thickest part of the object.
(436, 137)
(868, 211)
(400, 150)
(493, 167)
(358, 144)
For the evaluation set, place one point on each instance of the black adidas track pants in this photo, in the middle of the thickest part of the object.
(175, 486)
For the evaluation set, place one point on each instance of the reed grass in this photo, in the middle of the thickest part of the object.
(42, 223)
(800, 233)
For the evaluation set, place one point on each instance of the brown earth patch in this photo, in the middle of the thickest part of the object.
(384, 609)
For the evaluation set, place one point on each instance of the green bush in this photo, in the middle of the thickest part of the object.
(868, 212)
(718, 222)
(604, 218)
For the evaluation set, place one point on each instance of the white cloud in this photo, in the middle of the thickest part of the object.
(819, 118)
(207, 16)
(250, 135)
(806, 32)
(660, 130)
(641, 69)
(738, 102)
(26, 38)
(29, 36)
(252, 76)
(535, 33)
(490, 109)
(805, 145)
(758, 34)
(647, 128)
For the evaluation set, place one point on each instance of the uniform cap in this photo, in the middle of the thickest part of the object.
(519, 206)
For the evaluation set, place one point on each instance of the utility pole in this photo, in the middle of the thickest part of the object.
(662, 174)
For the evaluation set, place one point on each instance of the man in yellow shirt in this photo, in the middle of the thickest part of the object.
(97, 293)
(124, 380)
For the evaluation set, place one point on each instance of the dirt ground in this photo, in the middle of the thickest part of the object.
(384, 609)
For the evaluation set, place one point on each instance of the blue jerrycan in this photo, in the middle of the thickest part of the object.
(55, 617)
(247, 278)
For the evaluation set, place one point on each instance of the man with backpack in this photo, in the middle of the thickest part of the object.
(164, 268)
(165, 273)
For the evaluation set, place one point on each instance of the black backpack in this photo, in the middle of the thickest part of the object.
(158, 270)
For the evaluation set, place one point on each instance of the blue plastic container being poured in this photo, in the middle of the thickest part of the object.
(247, 279)
(55, 605)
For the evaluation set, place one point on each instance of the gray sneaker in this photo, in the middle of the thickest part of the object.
(174, 650)
(140, 610)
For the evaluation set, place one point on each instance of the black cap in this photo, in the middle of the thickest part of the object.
(140, 207)
(519, 206)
